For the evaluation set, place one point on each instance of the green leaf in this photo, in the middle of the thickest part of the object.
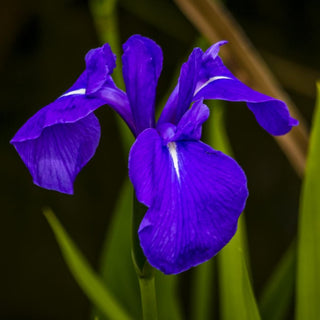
(237, 298)
(167, 298)
(83, 273)
(308, 257)
(236, 294)
(278, 292)
(117, 270)
(202, 291)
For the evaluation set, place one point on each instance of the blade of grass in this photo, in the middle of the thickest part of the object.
(116, 268)
(278, 291)
(83, 273)
(203, 291)
(237, 298)
(308, 263)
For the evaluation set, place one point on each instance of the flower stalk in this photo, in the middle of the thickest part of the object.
(144, 270)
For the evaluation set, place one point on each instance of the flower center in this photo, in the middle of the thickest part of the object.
(172, 147)
(74, 92)
(166, 131)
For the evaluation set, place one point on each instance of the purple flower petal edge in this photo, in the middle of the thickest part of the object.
(142, 64)
(56, 156)
(182, 96)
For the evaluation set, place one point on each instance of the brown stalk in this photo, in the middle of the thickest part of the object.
(215, 23)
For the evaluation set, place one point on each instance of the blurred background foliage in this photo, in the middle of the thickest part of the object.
(43, 44)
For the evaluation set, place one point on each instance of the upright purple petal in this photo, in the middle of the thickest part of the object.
(57, 155)
(213, 51)
(190, 125)
(100, 63)
(96, 82)
(195, 196)
(182, 96)
(142, 64)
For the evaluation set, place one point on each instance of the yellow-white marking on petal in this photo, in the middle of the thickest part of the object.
(174, 155)
(78, 91)
(209, 81)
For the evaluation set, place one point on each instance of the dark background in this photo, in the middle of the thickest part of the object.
(43, 44)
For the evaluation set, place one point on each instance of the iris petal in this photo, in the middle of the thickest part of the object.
(100, 63)
(217, 82)
(272, 114)
(213, 51)
(142, 64)
(181, 97)
(65, 133)
(190, 125)
(67, 109)
(56, 156)
(64, 129)
(195, 196)
(96, 83)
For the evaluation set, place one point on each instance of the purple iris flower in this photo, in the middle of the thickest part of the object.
(194, 194)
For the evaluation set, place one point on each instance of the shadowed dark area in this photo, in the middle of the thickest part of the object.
(42, 53)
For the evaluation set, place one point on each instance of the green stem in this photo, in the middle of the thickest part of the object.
(144, 271)
(203, 291)
(105, 19)
(148, 297)
(104, 13)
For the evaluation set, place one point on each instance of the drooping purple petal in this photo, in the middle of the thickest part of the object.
(195, 196)
(212, 66)
(66, 109)
(181, 97)
(142, 64)
(56, 156)
(63, 129)
(62, 137)
(272, 114)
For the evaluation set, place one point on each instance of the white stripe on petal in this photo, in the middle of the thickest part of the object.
(209, 81)
(174, 155)
(74, 92)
